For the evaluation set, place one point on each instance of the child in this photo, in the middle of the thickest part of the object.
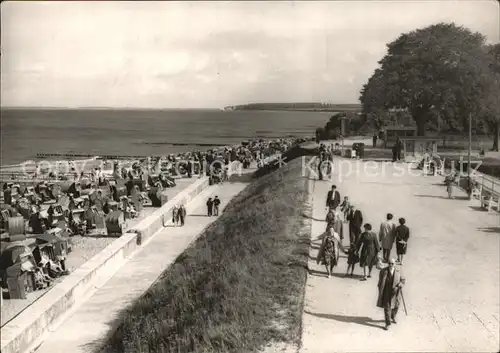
(344, 207)
(352, 259)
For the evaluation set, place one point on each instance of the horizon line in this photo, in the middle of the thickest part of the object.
(164, 108)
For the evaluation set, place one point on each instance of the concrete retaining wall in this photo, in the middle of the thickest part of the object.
(20, 333)
(25, 330)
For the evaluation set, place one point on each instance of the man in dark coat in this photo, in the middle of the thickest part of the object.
(216, 205)
(355, 218)
(390, 283)
(333, 198)
(210, 205)
(182, 214)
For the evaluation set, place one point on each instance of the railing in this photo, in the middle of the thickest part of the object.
(488, 183)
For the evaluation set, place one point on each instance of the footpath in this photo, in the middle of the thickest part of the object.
(96, 317)
(452, 270)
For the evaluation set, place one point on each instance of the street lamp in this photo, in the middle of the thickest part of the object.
(469, 185)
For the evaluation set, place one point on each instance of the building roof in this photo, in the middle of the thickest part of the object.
(428, 138)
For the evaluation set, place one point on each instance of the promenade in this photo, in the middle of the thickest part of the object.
(452, 271)
(93, 320)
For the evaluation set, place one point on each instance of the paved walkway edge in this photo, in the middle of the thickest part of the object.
(307, 227)
(25, 330)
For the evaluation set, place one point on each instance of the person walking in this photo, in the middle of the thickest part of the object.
(375, 137)
(390, 284)
(216, 205)
(328, 253)
(449, 181)
(345, 206)
(333, 198)
(320, 167)
(352, 259)
(368, 247)
(175, 215)
(386, 236)
(182, 214)
(399, 148)
(355, 219)
(402, 234)
(338, 225)
(210, 205)
(330, 219)
(394, 153)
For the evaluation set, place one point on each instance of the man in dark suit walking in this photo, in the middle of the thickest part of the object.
(182, 214)
(210, 205)
(333, 198)
(216, 205)
(390, 283)
(355, 218)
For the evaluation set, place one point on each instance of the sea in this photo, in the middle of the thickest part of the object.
(125, 132)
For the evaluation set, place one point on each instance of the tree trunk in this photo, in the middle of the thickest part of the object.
(420, 127)
(496, 131)
(420, 116)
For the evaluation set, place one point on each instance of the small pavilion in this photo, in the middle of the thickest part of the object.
(392, 132)
(415, 147)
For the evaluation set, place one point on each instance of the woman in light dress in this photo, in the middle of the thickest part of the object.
(329, 252)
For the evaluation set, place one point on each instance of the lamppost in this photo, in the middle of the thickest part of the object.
(469, 181)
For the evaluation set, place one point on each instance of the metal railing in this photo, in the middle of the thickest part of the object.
(487, 183)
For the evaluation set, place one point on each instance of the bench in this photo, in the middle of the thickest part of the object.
(490, 202)
(438, 168)
(477, 192)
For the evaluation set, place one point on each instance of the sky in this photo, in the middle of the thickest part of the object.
(208, 54)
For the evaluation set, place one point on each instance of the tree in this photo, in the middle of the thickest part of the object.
(491, 105)
(440, 70)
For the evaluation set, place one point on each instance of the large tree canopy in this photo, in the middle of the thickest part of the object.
(441, 70)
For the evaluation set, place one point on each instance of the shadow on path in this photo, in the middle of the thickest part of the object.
(490, 229)
(444, 197)
(314, 219)
(477, 208)
(360, 320)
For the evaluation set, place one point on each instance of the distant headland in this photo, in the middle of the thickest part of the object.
(307, 106)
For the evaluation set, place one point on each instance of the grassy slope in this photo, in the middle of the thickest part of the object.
(241, 284)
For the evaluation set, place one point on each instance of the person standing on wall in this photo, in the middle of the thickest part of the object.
(216, 205)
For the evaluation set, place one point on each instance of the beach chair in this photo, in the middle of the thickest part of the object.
(489, 202)
(477, 192)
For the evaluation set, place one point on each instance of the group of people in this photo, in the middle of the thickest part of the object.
(367, 248)
(179, 215)
(213, 206)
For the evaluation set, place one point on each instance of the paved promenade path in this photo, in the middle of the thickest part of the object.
(452, 270)
(94, 318)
